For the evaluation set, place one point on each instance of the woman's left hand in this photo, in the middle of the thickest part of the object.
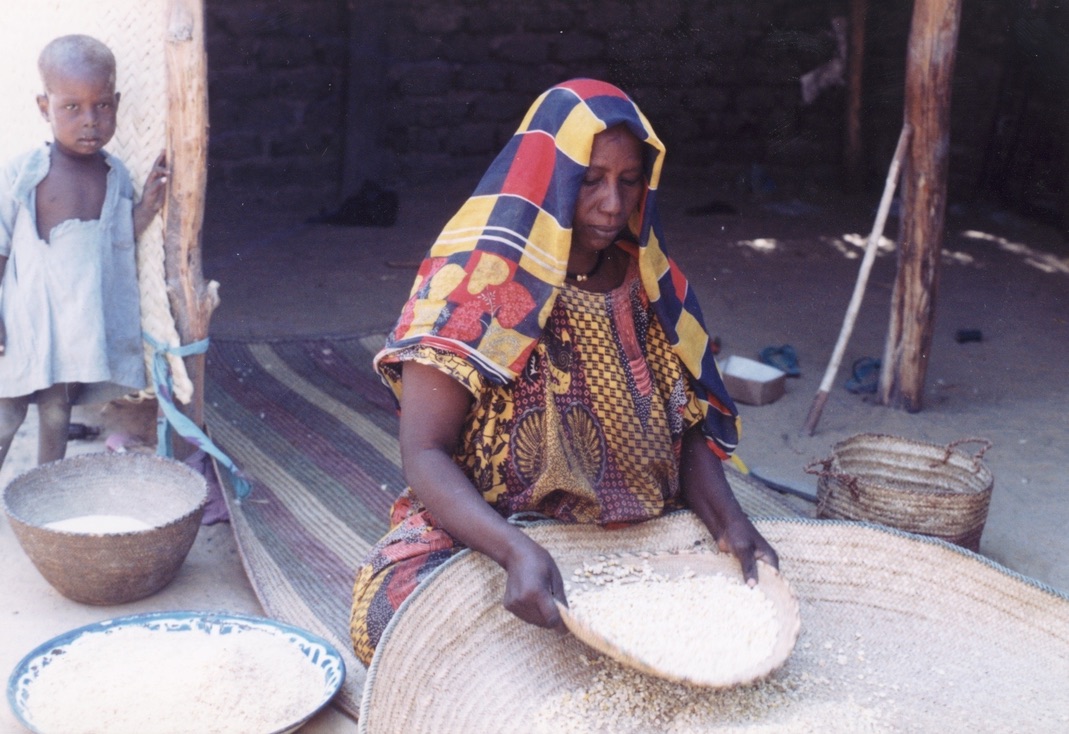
(709, 495)
(741, 539)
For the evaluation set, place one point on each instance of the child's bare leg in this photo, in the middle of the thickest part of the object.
(12, 414)
(54, 412)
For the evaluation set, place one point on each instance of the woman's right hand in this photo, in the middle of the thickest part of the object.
(534, 584)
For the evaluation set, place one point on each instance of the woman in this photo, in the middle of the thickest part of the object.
(551, 359)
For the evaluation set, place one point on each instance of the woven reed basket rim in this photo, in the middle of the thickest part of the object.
(98, 466)
(908, 451)
(924, 608)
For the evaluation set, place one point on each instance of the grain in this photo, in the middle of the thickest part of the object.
(133, 680)
(99, 524)
(702, 628)
(617, 699)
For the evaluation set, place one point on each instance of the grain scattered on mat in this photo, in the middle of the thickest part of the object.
(618, 699)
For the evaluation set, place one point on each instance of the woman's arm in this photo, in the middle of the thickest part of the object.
(433, 409)
(706, 490)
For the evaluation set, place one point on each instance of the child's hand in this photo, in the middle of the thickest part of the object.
(152, 195)
(155, 190)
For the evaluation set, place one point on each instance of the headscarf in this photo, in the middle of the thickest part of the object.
(488, 284)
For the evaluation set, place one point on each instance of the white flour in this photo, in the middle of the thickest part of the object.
(133, 680)
(99, 524)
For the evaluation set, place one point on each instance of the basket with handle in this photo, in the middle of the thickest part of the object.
(919, 487)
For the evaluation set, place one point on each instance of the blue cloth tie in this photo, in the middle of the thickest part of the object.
(172, 418)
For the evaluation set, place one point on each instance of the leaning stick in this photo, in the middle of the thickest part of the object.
(859, 287)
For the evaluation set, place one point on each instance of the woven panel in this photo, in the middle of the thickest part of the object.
(134, 30)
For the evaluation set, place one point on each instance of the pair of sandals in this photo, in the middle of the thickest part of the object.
(866, 376)
(783, 358)
(866, 370)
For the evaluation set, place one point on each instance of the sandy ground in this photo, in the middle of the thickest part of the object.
(775, 272)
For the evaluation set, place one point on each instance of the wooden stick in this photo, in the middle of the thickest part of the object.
(192, 299)
(932, 48)
(855, 62)
(862, 280)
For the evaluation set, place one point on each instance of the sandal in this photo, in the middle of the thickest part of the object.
(866, 376)
(782, 358)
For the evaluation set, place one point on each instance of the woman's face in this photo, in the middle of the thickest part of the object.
(610, 191)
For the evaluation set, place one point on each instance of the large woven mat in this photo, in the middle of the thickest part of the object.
(316, 430)
(135, 32)
(899, 633)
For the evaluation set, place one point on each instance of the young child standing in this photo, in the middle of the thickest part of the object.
(70, 323)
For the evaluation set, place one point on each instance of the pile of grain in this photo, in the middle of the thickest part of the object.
(691, 627)
(701, 628)
(99, 524)
(133, 680)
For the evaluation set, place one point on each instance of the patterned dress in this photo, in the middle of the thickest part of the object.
(590, 431)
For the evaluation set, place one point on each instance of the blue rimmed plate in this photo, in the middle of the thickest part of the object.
(308, 674)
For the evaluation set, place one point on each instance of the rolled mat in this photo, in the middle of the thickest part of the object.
(899, 633)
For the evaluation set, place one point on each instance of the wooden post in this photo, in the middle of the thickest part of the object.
(192, 300)
(929, 70)
(855, 62)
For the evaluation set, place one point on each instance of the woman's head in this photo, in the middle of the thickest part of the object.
(610, 190)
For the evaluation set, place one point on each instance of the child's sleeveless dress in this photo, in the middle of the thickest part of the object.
(70, 305)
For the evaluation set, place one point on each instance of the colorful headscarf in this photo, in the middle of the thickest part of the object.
(487, 285)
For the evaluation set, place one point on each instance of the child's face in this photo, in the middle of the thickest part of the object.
(81, 108)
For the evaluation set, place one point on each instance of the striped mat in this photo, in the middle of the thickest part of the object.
(314, 429)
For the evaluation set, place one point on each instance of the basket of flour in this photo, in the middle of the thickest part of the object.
(107, 528)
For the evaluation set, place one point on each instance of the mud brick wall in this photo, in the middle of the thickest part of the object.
(276, 73)
(719, 79)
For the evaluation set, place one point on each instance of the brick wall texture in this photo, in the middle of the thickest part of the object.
(719, 79)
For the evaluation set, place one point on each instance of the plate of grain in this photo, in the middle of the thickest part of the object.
(685, 616)
(176, 672)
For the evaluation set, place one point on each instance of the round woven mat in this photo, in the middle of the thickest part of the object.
(899, 633)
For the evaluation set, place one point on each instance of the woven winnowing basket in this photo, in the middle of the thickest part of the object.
(899, 633)
(911, 485)
(135, 32)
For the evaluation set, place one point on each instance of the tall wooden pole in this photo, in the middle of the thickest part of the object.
(929, 69)
(855, 62)
(192, 300)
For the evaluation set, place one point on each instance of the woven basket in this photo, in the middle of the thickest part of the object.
(899, 633)
(914, 486)
(107, 568)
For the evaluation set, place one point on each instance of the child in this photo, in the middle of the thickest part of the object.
(70, 324)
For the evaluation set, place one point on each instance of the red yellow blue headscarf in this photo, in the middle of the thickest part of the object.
(487, 285)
